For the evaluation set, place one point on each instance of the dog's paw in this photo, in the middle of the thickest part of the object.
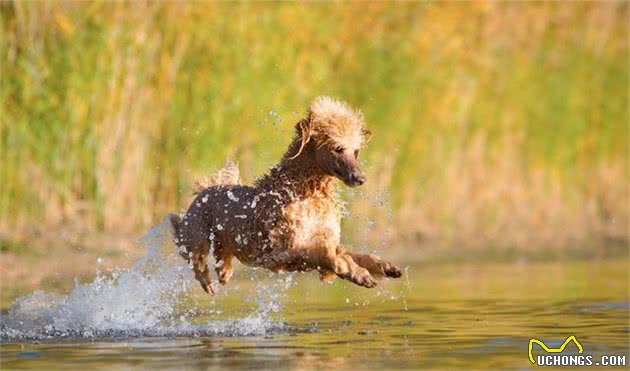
(224, 275)
(391, 270)
(367, 282)
(327, 276)
(207, 287)
(364, 279)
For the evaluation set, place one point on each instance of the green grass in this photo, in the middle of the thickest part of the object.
(502, 125)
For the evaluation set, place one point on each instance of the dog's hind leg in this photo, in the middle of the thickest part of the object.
(199, 261)
(223, 265)
(374, 264)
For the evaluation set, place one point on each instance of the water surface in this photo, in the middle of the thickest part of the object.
(449, 316)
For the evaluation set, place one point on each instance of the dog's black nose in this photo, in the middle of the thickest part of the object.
(357, 178)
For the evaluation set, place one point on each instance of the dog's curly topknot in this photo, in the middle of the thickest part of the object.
(335, 121)
(332, 122)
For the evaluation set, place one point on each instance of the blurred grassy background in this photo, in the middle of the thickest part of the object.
(497, 125)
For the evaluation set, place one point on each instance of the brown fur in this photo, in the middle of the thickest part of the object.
(289, 219)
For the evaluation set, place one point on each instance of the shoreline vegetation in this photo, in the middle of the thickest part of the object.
(497, 126)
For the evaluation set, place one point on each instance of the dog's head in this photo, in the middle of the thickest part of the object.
(337, 133)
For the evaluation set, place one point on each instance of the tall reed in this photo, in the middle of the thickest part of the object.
(496, 124)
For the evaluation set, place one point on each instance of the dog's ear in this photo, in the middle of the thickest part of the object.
(305, 129)
(367, 135)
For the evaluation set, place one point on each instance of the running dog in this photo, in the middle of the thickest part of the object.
(289, 219)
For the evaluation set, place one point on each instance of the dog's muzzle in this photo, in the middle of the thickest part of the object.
(355, 179)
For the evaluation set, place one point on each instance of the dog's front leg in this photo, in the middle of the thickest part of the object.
(374, 264)
(345, 267)
(323, 259)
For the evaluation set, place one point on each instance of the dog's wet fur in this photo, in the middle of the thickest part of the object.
(289, 219)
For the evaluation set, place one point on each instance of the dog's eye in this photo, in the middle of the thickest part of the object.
(339, 149)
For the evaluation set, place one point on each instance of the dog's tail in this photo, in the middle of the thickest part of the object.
(175, 220)
(228, 175)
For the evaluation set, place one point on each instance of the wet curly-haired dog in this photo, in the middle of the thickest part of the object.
(289, 219)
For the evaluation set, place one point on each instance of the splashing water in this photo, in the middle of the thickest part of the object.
(136, 302)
